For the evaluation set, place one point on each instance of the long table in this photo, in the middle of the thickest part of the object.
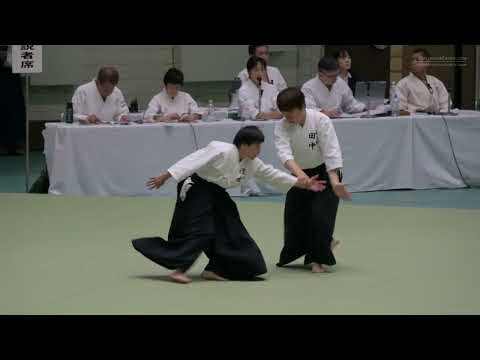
(408, 152)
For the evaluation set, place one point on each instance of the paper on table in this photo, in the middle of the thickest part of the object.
(381, 109)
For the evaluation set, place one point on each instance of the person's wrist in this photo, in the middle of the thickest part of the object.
(301, 184)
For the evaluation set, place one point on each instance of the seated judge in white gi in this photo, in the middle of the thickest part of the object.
(307, 145)
(419, 91)
(329, 93)
(258, 99)
(100, 101)
(206, 219)
(172, 104)
(272, 75)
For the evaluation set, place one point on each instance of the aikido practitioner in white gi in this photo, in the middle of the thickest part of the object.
(307, 145)
(206, 219)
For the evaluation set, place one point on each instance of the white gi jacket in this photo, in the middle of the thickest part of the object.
(311, 145)
(317, 96)
(414, 95)
(163, 104)
(248, 97)
(87, 101)
(219, 163)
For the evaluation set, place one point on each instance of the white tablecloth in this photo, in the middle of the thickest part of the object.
(465, 136)
(379, 153)
(397, 153)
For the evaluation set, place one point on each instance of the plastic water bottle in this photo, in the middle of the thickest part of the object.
(394, 100)
(69, 113)
(210, 111)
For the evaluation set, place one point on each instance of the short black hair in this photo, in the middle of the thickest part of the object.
(252, 48)
(253, 61)
(108, 74)
(342, 53)
(173, 76)
(422, 51)
(290, 99)
(248, 135)
(328, 63)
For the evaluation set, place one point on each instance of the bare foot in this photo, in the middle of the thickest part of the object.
(208, 275)
(180, 277)
(317, 268)
(334, 244)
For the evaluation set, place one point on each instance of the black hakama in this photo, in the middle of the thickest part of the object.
(309, 222)
(206, 221)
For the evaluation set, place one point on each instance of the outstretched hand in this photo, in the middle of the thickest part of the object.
(156, 182)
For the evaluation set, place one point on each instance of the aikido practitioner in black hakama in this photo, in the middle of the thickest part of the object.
(307, 145)
(206, 219)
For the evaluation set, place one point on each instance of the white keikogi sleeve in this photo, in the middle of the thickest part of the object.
(310, 102)
(277, 178)
(402, 92)
(274, 100)
(282, 84)
(350, 104)
(442, 95)
(282, 143)
(154, 107)
(247, 104)
(121, 106)
(79, 105)
(243, 75)
(193, 162)
(332, 154)
(192, 105)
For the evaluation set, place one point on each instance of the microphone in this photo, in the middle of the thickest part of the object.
(260, 85)
(260, 94)
(435, 110)
(268, 78)
(429, 87)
